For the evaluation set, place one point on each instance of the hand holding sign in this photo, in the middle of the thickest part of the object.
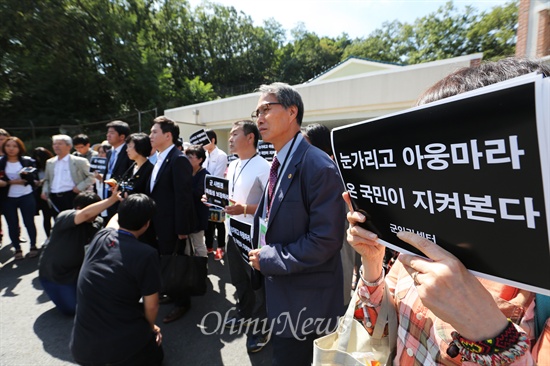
(216, 191)
(450, 291)
(364, 242)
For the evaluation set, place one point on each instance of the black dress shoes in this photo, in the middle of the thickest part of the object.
(176, 313)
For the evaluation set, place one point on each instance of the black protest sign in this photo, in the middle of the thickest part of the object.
(217, 191)
(266, 150)
(466, 173)
(232, 157)
(199, 138)
(98, 164)
(241, 232)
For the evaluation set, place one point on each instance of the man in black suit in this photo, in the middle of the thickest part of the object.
(118, 162)
(171, 186)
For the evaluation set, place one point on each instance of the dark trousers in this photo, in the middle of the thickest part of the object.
(42, 205)
(63, 296)
(62, 201)
(150, 355)
(291, 351)
(27, 205)
(250, 302)
(209, 234)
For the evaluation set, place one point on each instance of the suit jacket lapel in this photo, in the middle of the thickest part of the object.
(286, 178)
(119, 158)
(73, 169)
(165, 163)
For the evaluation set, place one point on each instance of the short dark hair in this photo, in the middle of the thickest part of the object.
(212, 135)
(198, 151)
(287, 96)
(248, 128)
(487, 73)
(135, 211)
(121, 127)
(319, 136)
(168, 125)
(84, 199)
(81, 139)
(20, 145)
(142, 143)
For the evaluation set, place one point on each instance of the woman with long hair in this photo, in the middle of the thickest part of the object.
(17, 179)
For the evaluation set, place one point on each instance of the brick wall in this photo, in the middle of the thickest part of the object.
(543, 34)
(523, 27)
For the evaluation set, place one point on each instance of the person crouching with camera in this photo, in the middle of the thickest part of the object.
(17, 178)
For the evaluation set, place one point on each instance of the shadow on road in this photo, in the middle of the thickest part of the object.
(54, 330)
(199, 337)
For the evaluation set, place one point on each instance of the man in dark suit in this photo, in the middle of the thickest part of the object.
(118, 162)
(171, 186)
(300, 223)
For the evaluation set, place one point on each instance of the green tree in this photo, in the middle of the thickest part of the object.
(495, 33)
(308, 55)
(442, 34)
(236, 55)
(384, 44)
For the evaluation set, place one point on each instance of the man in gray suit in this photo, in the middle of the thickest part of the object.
(66, 175)
(299, 229)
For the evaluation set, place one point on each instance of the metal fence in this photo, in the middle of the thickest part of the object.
(35, 136)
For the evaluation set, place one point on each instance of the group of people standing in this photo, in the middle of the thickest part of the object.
(446, 315)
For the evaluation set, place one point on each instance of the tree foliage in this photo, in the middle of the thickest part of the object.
(442, 34)
(77, 61)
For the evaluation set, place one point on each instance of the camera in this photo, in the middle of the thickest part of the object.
(28, 170)
(126, 186)
(29, 174)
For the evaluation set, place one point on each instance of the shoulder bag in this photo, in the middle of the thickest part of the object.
(351, 344)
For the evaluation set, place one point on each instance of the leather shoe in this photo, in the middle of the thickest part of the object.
(165, 300)
(176, 313)
(236, 322)
(256, 342)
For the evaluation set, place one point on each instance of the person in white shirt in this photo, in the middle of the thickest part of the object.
(16, 192)
(216, 164)
(66, 175)
(247, 177)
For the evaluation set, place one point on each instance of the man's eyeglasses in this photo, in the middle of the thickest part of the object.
(264, 108)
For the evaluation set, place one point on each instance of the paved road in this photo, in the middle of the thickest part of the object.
(33, 332)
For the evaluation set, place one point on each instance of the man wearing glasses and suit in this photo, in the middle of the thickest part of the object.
(295, 230)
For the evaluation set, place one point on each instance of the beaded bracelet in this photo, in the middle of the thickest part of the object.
(501, 350)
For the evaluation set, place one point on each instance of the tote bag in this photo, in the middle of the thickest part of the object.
(183, 273)
(352, 345)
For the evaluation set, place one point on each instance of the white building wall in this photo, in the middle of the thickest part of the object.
(332, 102)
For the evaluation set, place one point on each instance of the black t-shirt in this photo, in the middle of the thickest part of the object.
(63, 254)
(110, 323)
